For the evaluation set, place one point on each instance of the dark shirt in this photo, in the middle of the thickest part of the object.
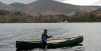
(44, 37)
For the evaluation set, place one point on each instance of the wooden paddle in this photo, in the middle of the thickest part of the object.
(47, 43)
(46, 47)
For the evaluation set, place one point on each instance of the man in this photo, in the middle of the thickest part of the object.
(44, 37)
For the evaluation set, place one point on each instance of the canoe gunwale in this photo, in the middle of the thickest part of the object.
(52, 40)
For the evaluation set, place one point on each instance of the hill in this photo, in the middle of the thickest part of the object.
(6, 7)
(18, 17)
(93, 6)
(98, 11)
(18, 5)
(51, 7)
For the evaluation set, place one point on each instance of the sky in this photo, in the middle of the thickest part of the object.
(75, 2)
(82, 2)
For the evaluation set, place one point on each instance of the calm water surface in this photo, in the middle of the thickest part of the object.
(12, 32)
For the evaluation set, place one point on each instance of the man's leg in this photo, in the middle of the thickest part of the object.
(45, 42)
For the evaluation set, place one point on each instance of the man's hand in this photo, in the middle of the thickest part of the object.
(50, 36)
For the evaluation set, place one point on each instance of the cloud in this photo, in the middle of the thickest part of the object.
(21, 1)
(98, 2)
(76, 2)
(82, 2)
(61, 0)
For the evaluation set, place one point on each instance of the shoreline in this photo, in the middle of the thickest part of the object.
(62, 22)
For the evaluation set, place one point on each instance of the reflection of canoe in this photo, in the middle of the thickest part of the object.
(51, 43)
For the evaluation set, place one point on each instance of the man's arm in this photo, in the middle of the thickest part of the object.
(48, 36)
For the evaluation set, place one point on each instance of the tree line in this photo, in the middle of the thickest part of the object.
(18, 17)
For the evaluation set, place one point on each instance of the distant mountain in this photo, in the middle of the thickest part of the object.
(6, 7)
(98, 11)
(93, 6)
(18, 5)
(50, 7)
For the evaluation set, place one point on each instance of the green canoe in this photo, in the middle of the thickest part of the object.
(51, 43)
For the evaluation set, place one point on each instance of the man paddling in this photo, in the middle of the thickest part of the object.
(44, 37)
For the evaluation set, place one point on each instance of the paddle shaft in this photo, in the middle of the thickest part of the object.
(46, 47)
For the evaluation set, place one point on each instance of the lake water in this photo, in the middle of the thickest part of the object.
(12, 32)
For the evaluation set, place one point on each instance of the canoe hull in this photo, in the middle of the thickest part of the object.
(27, 45)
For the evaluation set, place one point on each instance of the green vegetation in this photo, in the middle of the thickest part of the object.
(86, 18)
(18, 17)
